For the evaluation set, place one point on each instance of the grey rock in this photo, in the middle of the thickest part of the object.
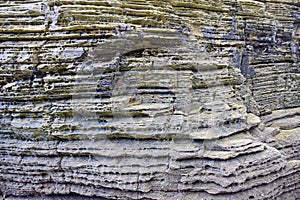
(149, 100)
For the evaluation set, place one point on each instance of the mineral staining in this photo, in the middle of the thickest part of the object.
(150, 99)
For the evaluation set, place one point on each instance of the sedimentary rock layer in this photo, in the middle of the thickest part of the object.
(150, 99)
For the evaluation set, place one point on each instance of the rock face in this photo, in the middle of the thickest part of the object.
(150, 99)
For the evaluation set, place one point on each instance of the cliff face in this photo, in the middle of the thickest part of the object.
(150, 99)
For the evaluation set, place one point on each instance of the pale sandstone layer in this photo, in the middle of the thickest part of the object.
(150, 99)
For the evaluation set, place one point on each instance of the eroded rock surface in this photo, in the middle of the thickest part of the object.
(150, 99)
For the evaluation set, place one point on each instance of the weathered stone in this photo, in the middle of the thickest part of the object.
(149, 99)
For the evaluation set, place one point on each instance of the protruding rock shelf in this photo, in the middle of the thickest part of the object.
(150, 99)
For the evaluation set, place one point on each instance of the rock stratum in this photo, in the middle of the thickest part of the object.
(196, 99)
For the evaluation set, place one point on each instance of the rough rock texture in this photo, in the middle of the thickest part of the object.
(150, 99)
